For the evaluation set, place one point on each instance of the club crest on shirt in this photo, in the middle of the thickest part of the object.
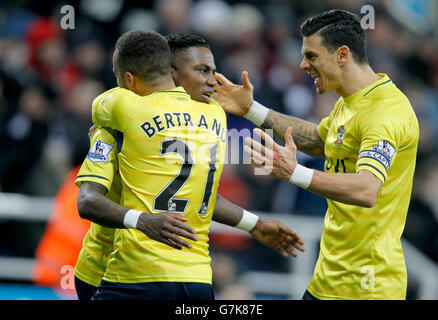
(341, 134)
(99, 152)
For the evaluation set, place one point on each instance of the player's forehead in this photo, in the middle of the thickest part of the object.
(312, 44)
(195, 56)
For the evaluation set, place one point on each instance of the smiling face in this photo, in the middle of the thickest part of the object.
(194, 70)
(320, 63)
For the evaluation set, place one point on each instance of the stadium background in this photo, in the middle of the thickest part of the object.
(49, 76)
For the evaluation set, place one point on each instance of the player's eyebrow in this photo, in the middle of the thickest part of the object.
(309, 54)
(206, 66)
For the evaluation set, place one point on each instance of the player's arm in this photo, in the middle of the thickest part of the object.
(304, 133)
(359, 189)
(165, 227)
(271, 233)
(238, 100)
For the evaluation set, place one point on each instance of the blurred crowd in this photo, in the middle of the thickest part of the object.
(49, 77)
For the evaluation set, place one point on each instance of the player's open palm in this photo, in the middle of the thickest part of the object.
(274, 159)
(278, 236)
(167, 227)
(234, 98)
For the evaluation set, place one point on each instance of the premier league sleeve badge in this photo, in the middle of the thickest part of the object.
(99, 152)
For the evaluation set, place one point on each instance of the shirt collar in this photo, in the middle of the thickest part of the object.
(361, 93)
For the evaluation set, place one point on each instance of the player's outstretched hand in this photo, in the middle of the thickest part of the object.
(167, 227)
(280, 162)
(278, 236)
(234, 98)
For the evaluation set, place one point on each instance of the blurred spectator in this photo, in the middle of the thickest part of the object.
(78, 116)
(173, 15)
(422, 219)
(23, 133)
(48, 54)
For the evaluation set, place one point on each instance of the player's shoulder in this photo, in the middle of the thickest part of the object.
(386, 100)
(386, 93)
(113, 95)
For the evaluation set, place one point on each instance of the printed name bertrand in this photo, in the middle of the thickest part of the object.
(181, 119)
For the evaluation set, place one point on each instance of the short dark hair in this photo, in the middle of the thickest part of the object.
(337, 28)
(182, 41)
(144, 53)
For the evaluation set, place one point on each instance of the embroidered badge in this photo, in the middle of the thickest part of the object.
(341, 134)
(383, 152)
(386, 149)
(100, 151)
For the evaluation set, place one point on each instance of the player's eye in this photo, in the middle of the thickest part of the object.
(204, 70)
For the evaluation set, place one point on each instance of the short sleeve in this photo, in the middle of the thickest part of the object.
(378, 147)
(101, 163)
(113, 108)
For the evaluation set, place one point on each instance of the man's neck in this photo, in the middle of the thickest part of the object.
(356, 78)
(147, 87)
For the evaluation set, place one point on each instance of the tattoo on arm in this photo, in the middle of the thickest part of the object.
(304, 133)
(226, 212)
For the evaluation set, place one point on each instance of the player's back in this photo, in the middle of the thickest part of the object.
(171, 159)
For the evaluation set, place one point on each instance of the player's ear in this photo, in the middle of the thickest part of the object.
(174, 72)
(343, 55)
(129, 80)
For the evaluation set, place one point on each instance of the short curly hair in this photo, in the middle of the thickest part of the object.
(179, 43)
(337, 28)
(182, 41)
(144, 53)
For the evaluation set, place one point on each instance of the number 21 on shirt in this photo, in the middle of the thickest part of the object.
(166, 199)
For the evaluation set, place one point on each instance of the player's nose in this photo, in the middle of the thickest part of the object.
(211, 81)
(304, 65)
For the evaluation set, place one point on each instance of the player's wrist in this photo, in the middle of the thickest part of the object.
(131, 218)
(248, 221)
(301, 176)
(257, 113)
